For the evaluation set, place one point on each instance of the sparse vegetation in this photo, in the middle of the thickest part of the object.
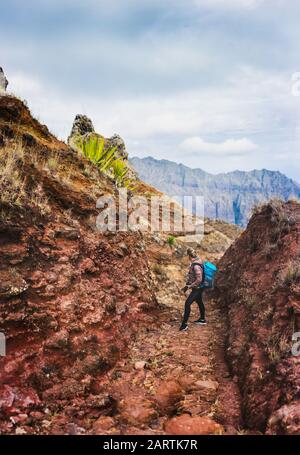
(250, 302)
(53, 163)
(157, 269)
(11, 179)
(270, 250)
(40, 202)
(120, 171)
(278, 346)
(105, 159)
(292, 273)
(171, 241)
(13, 193)
(94, 149)
(268, 312)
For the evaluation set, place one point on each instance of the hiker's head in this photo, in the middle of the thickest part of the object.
(191, 253)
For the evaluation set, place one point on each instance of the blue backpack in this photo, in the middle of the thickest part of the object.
(209, 272)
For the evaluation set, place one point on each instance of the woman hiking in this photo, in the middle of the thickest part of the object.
(194, 281)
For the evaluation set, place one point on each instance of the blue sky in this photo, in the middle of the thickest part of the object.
(203, 82)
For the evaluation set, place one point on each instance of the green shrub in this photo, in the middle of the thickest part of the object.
(171, 241)
(105, 159)
(120, 171)
(94, 149)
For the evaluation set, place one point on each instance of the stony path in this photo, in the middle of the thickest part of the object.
(174, 382)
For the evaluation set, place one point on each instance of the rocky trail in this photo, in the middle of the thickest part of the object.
(172, 382)
(91, 319)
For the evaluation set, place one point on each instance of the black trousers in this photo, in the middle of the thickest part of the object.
(195, 296)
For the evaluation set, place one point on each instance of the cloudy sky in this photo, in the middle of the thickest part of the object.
(204, 82)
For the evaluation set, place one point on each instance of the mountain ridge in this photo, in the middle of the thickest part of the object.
(229, 196)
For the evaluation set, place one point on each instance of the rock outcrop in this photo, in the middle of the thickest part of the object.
(259, 288)
(82, 125)
(83, 130)
(230, 197)
(3, 81)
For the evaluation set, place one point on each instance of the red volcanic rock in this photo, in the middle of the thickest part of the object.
(188, 425)
(206, 386)
(137, 411)
(258, 285)
(59, 340)
(140, 365)
(285, 420)
(88, 266)
(58, 281)
(167, 396)
(13, 400)
(103, 424)
(7, 397)
(146, 306)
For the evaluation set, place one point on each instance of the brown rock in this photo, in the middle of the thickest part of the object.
(188, 425)
(88, 266)
(187, 382)
(207, 385)
(146, 306)
(137, 411)
(103, 424)
(140, 365)
(168, 396)
(59, 341)
(286, 420)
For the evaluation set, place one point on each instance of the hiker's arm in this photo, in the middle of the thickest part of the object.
(198, 280)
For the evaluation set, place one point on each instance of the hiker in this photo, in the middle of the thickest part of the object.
(194, 281)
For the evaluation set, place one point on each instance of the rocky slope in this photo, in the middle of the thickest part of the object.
(230, 197)
(259, 287)
(91, 341)
(71, 298)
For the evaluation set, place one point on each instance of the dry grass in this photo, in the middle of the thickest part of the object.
(13, 192)
(278, 346)
(292, 273)
(270, 250)
(11, 179)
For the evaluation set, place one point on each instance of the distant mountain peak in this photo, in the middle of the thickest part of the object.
(228, 196)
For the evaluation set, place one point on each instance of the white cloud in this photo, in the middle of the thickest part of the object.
(24, 84)
(229, 4)
(227, 148)
(201, 73)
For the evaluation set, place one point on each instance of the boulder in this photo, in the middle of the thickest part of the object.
(189, 425)
(137, 411)
(286, 420)
(168, 395)
(103, 424)
(140, 365)
(81, 126)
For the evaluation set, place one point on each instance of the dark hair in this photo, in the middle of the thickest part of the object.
(192, 253)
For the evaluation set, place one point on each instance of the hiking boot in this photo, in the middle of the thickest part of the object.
(183, 327)
(201, 321)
